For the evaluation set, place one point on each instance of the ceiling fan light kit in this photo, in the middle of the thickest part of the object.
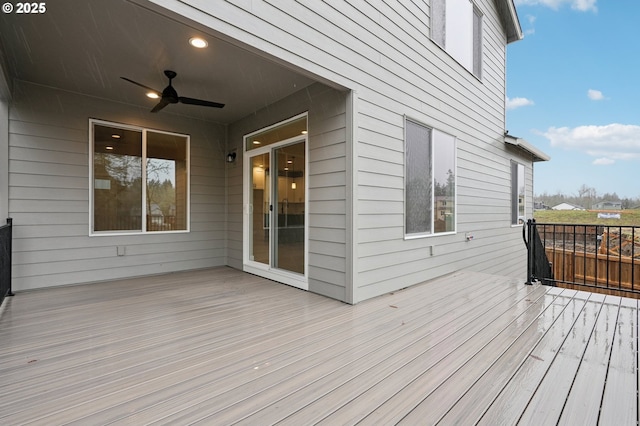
(170, 96)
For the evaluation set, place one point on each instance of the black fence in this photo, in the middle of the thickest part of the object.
(590, 257)
(5, 260)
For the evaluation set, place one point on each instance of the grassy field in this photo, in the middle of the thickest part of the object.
(627, 217)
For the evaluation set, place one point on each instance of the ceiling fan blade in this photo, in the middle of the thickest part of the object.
(141, 85)
(163, 103)
(200, 102)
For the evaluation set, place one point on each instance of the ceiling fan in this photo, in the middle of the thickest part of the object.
(170, 96)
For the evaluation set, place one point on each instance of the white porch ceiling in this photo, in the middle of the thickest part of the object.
(85, 47)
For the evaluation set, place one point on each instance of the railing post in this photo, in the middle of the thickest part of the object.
(530, 248)
(10, 224)
(6, 249)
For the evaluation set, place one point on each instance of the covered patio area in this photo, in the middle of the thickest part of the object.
(219, 346)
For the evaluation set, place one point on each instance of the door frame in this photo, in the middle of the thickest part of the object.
(268, 271)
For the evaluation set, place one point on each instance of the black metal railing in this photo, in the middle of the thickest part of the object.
(596, 257)
(5, 260)
(538, 266)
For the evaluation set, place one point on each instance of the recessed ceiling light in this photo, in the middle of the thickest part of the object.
(256, 142)
(115, 136)
(304, 132)
(198, 42)
(109, 148)
(152, 95)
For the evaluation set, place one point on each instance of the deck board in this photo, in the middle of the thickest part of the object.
(220, 346)
(427, 319)
(488, 366)
(513, 399)
(450, 373)
(469, 407)
(546, 405)
(350, 381)
(620, 399)
(582, 406)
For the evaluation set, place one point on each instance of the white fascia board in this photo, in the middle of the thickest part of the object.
(538, 155)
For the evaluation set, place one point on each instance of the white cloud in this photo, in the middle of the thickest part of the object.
(604, 161)
(595, 95)
(513, 103)
(610, 142)
(581, 5)
(531, 20)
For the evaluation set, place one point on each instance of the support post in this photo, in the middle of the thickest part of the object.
(10, 250)
(530, 250)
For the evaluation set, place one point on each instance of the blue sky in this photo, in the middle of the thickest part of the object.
(573, 91)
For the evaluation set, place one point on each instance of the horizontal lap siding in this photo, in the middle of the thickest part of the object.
(430, 86)
(438, 92)
(382, 50)
(328, 195)
(49, 194)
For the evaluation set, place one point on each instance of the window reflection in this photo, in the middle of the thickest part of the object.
(117, 172)
(118, 191)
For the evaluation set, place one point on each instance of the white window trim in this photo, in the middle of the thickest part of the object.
(143, 131)
(431, 234)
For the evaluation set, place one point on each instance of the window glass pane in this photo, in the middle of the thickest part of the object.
(459, 29)
(521, 194)
(117, 173)
(517, 193)
(277, 134)
(438, 22)
(444, 153)
(166, 190)
(418, 191)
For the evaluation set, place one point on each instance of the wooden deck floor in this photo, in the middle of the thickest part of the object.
(223, 347)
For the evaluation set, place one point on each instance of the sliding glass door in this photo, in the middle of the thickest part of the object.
(275, 210)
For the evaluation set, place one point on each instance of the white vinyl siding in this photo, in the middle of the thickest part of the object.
(396, 71)
(49, 195)
(393, 70)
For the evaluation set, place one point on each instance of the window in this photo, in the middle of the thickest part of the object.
(430, 182)
(138, 173)
(517, 194)
(456, 26)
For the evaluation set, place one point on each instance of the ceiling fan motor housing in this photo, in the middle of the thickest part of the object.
(170, 95)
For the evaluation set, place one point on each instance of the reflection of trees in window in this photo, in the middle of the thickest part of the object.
(161, 194)
(418, 189)
(166, 189)
(117, 169)
(444, 146)
(518, 196)
(430, 180)
(118, 175)
(448, 187)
